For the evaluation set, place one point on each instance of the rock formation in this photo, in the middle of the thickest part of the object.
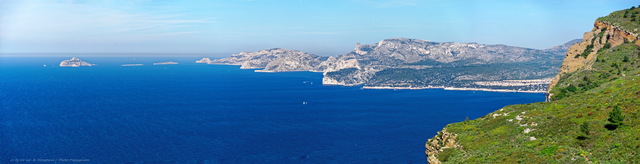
(274, 60)
(444, 140)
(74, 62)
(583, 54)
(204, 60)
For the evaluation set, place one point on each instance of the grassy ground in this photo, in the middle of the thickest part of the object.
(627, 19)
(574, 128)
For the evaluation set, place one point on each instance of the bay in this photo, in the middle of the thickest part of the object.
(198, 113)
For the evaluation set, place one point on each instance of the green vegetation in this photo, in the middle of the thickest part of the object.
(593, 115)
(586, 52)
(585, 129)
(615, 117)
(446, 76)
(627, 19)
(426, 62)
(574, 128)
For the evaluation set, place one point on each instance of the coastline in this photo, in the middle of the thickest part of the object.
(454, 88)
(412, 88)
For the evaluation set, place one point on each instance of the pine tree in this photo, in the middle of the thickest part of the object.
(585, 128)
(615, 117)
(625, 59)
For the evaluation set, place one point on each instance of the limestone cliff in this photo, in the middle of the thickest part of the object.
(582, 55)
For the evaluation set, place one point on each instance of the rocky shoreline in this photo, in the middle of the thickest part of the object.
(455, 88)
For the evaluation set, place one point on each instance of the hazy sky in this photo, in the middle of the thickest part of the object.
(323, 27)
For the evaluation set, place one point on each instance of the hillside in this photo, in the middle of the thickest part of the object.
(414, 63)
(592, 115)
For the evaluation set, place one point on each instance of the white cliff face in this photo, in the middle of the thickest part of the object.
(74, 62)
(204, 60)
(334, 64)
(349, 76)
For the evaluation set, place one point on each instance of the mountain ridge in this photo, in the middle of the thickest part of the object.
(378, 64)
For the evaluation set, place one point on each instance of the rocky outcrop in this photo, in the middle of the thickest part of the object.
(74, 62)
(582, 55)
(204, 60)
(444, 140)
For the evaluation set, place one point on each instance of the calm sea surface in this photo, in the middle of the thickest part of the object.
(198, 113)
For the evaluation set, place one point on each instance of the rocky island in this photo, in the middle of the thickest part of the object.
(402, 63)
(165, 63)
(132, 65)
(591, 115)
(74, 62)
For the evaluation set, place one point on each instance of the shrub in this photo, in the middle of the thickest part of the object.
(586, 52)
(572, 88)
(585, 128)
(549, 150)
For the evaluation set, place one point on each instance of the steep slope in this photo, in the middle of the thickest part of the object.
(610, 31)
(592, 116)
(414, 63)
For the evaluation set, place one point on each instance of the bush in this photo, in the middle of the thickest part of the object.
(572, 88)
(549, 150)
(586, 52)
(585, 128)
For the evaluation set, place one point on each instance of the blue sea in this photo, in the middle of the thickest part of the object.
(199, 113)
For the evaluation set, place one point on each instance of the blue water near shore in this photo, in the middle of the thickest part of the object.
(198, 113)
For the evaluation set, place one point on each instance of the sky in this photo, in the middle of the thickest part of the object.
(321, 27)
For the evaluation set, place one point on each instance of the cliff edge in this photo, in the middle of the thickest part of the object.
(592, 114)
